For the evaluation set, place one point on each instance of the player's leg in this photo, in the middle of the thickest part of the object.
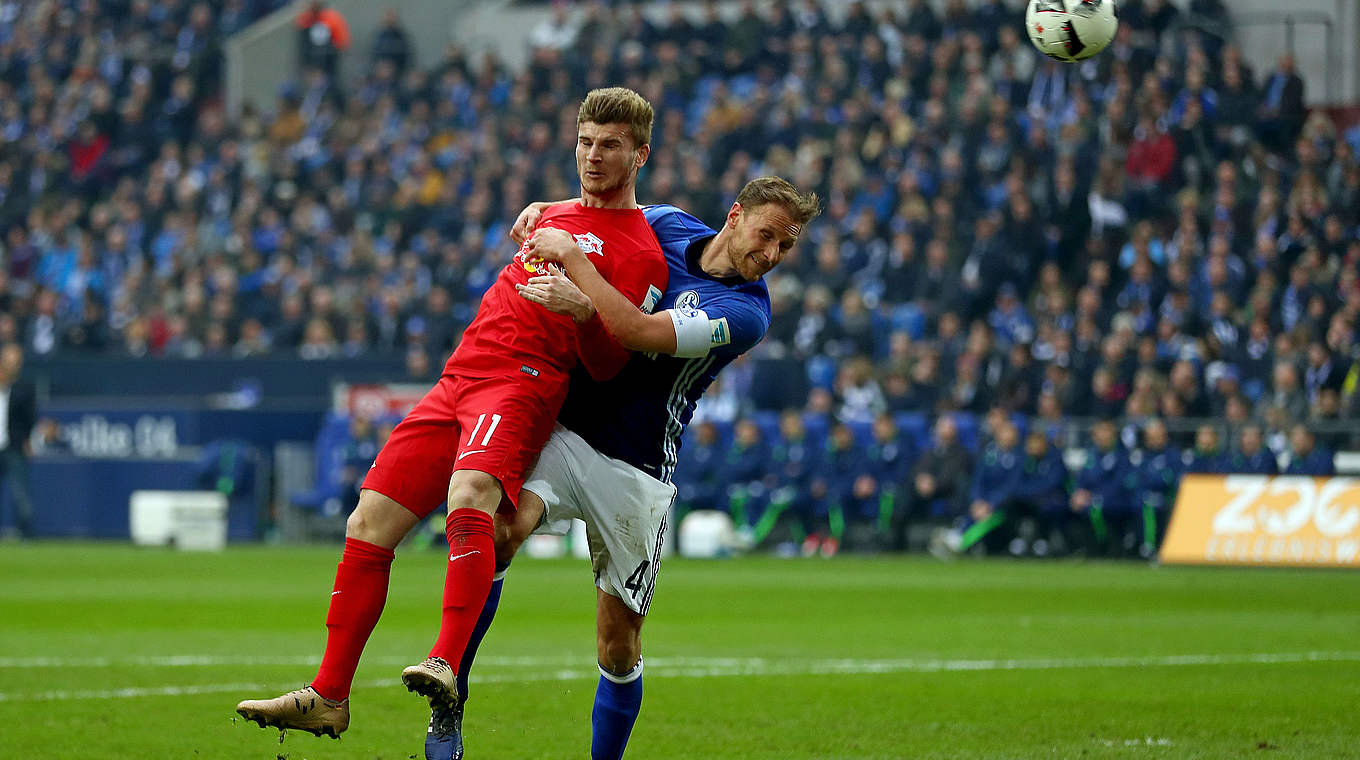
(473, 499)
(512, 528)
(508, 422)
(372, 531)
(406, 483)
(618, 695)
(444, 735)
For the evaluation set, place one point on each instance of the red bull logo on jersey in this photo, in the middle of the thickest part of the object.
(532, 265)
(589, 244)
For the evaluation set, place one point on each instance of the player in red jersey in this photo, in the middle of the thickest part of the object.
(473, 438)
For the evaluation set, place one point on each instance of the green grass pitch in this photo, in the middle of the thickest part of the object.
(112, 652)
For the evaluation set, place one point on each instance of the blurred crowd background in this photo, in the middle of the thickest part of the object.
(1150, 254)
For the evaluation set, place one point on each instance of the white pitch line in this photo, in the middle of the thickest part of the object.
(698, 667)
(194, 661)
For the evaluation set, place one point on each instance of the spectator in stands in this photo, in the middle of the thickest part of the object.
(1157, 468)
(557, 33)
(18, 404)
(1285, 392)
(1281, 114)
(996, 481)
(323, 34)
(698, 472)
(1322, 372)
(419, 368)
(1325, 418)
(938, 485)
(318, 341)
(360, 449)
(1207, 457)
(794, 458)
(858, 393)
(1042, 494)
(1104, 494)
(746, 472)
(1151, 161)
(1252, 457)
(1305, 457)
(831, 487)
(877, 488)
(392, 44)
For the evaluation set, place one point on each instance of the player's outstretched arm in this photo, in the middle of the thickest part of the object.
(633, 329)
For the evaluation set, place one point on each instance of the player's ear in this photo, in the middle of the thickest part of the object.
(641, 154)
(733, 214)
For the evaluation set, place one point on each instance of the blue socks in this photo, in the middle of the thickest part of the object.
(618, 698)
(479, 630)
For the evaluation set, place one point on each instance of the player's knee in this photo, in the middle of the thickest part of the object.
(619, 649)
(359, 524)
(474, 489)
(379, 520)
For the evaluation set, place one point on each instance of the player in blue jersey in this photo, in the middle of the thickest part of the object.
(611, 458)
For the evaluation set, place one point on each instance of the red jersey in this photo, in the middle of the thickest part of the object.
(511, 335)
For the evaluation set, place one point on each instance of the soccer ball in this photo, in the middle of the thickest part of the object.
(1071, 30)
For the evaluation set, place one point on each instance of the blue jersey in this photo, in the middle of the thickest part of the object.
(639, 415)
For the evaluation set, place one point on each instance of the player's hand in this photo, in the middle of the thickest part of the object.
(556, 247)
(559, 295)
(980, 510)
(524, 223)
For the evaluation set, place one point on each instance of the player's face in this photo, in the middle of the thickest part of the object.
(762, 236)
(606, 158)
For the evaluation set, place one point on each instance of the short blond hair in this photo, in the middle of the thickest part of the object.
(803, 207)
(618, 105)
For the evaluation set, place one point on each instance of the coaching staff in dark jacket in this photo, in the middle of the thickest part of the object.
(18, 404)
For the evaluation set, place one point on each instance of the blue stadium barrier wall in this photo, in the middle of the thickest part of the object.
(271, 379)
(75, 497)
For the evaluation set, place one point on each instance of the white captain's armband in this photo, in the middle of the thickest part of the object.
(693, 335)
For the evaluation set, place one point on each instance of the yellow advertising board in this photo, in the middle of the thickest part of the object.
(1262, 520)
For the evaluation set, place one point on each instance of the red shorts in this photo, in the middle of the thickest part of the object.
(494, 425)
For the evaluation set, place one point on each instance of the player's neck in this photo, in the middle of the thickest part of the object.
(714, 260)
(622, 198)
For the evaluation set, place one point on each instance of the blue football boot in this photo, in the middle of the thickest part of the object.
(444, 738)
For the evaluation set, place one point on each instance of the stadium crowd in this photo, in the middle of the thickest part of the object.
(1161, 236)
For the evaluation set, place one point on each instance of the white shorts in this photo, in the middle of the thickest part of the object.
(624, 510)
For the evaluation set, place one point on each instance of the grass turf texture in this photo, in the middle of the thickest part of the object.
(90, 634)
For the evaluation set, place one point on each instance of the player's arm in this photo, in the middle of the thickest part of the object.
(528, 218)
(633, 329)
(600, 353)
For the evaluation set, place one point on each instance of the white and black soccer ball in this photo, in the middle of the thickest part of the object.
(1071, 30)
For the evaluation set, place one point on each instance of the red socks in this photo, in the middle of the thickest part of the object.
(361, 590)
(472, 562)
(356, 603)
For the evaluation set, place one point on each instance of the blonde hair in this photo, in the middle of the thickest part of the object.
(803, 207)
(618, 105)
